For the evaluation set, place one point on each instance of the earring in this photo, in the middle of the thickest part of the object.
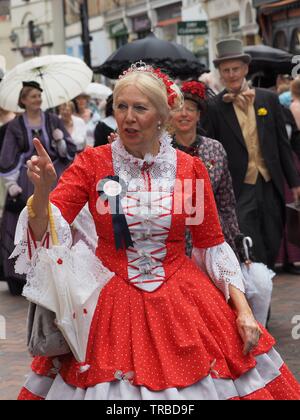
(159, 126)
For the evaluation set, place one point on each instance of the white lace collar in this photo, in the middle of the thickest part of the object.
(163, 155)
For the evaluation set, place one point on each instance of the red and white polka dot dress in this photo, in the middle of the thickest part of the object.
(159, 319)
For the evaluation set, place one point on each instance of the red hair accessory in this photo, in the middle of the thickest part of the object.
(143, 67)
(194, 88)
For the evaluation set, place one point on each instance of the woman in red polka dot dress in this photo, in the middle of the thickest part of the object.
(165, 327)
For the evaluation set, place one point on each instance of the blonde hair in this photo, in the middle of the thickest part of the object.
(69, 104)
(154, 89)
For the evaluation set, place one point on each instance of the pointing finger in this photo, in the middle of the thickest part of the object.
(40, 149)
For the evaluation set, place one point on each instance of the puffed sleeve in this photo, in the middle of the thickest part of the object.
(73, 189)
(211, 253)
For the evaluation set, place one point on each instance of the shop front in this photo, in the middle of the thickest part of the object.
(167, 19)
(118, 32)
(141, 26)
(195, 37)
(279, 23)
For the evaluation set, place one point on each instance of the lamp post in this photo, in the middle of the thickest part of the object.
(86, 38)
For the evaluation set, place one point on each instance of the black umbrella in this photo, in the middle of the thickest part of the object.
(267, 63)
(173, 58)
(268, 59)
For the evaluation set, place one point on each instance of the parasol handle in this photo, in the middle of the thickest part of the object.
(247, 243)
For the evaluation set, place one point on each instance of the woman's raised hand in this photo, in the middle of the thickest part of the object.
(41, 171)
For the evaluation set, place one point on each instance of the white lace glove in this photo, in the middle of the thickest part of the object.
(58, 137)
(14, 190)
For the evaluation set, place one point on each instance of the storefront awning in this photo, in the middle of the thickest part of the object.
(169, 22)
(269, 9)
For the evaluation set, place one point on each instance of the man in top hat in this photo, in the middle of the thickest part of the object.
(249, 123)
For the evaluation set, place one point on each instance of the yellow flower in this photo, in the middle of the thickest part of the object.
(262, 112)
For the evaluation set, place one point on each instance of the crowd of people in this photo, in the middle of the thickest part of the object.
(173, 321)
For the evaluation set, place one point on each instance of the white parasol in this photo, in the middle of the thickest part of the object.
(68, 282)
(61, 77)
(258, 284)
(98, 91)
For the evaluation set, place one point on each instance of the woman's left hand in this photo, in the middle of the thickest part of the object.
(249, 331)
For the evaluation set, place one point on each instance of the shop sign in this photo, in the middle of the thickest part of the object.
(118, 29)
(193, 28)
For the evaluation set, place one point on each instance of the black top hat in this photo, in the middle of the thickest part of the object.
(33, 84)
(231, 49)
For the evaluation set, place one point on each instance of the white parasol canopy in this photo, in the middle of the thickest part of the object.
(61, 77)
(98, 91)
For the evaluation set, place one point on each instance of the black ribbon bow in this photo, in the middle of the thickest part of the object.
(122, 234)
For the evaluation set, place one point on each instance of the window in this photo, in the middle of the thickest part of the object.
(280, 41)
(4, 8)
(229, 27)
(121, 40)
(249, 16)
(295, 45)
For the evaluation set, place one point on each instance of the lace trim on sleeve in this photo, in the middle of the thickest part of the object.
(24, 242)
(222, 266)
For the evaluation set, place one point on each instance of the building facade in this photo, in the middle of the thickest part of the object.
(40, 27)
(114, 23)
(37, 28)
(279, 23)
(5, 30)
(231, 19)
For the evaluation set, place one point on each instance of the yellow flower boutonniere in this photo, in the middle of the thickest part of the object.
(262, 112)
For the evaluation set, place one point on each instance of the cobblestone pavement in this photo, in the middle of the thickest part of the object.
(15, 362)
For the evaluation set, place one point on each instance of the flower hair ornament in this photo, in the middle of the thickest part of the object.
(197, 92)
(195, 88)
(174, 99)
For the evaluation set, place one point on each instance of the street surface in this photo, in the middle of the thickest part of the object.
(15, 362)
